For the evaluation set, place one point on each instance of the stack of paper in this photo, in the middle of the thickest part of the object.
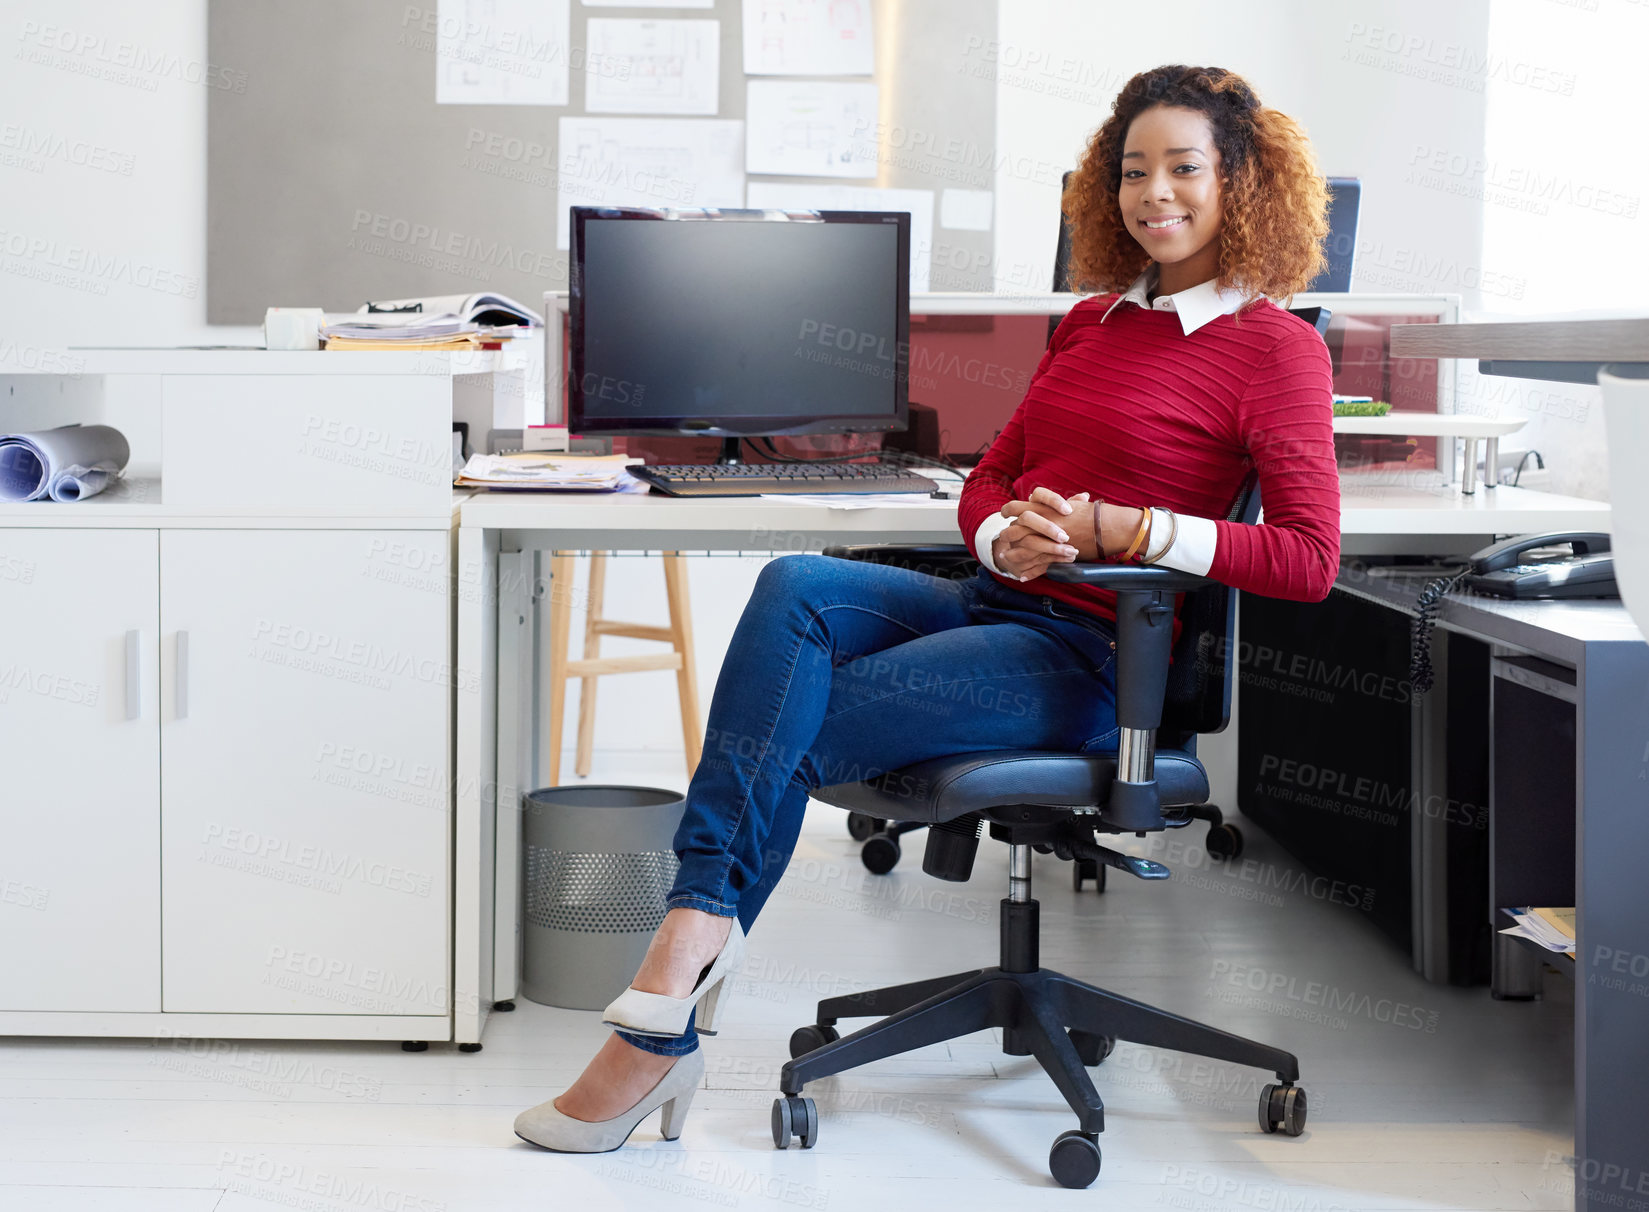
(537, 472)
(407, 330)
(1553, 929)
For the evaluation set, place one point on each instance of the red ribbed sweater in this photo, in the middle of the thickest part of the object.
(1140, 414)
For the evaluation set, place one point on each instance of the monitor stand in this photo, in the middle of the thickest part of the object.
(731, 452)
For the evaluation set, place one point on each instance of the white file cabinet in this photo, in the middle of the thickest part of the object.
(80, 789)
(226, 701)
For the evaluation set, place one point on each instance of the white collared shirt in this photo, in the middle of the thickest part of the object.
(1195, 539)
(1196, 305)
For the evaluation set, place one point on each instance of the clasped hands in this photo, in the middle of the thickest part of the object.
(1051, 529)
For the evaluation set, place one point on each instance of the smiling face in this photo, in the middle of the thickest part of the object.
(1170, 194)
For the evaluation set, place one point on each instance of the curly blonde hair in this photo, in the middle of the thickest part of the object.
(1274, 201)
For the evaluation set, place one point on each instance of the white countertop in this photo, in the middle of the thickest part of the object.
(77, 362)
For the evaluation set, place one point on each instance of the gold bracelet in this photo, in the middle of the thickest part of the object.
(1173, 533)
(1139, 535)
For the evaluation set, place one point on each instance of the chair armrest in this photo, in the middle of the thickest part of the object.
(1127, 576)
(949, 560)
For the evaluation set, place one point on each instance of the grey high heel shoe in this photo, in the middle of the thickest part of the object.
(545, 1126)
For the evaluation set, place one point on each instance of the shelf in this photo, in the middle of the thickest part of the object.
(137, 502)
(1428, 425)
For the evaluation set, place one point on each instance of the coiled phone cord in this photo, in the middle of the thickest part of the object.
(1427, 608)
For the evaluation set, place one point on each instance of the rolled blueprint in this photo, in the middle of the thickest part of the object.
(66, 464)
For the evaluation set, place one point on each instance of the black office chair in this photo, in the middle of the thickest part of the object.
(879, 847)
(1055, 803)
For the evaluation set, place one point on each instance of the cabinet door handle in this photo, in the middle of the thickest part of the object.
(134, 676)
(181, 698)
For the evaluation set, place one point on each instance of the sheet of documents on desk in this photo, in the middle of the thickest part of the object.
(1553, 929)
(526, 470)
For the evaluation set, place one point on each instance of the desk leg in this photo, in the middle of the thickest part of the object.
(514, 680)
(1612, 948)
(475, 783)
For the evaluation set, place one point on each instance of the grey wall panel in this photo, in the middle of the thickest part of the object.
(335, 178)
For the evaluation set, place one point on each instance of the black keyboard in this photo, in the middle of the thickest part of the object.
(749, 479)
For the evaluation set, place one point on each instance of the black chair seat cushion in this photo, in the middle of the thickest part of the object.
(943, 789)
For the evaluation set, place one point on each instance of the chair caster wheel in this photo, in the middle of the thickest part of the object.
(861, 826)
(414, 1045)
(1074, 1160)
(1224, 841)
(469, 1047)
(1087, 869)
(1093, 1049)
(806, 1039)
(880, 854)
(503, 1007)
(794, 1116)
(1282, 1107)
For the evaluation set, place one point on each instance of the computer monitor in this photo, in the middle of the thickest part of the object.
(1344, 198)
(738, 323)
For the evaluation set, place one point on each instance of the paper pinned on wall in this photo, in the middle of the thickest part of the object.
(772, 195)
(965, 209)
(811, 128)
(654, 162)
(502, 52)
(651, 67)
(808, 38)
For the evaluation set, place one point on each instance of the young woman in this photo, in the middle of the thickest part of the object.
(1148, 411)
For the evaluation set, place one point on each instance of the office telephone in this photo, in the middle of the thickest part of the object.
(1526, 567)
(1586, 570)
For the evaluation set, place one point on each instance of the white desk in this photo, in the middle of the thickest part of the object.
(501, 584)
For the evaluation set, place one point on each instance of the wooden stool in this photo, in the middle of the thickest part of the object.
(679, 635)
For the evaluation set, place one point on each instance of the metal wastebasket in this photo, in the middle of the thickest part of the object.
(598, 865)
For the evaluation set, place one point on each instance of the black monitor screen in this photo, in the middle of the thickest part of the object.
(1344, 194)
(739, 325)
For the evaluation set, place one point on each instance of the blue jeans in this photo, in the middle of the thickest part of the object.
(839, 671)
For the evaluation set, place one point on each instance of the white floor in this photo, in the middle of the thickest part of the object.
(1421, 1096)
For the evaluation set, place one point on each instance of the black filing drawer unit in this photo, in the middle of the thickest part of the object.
(1362, 781)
